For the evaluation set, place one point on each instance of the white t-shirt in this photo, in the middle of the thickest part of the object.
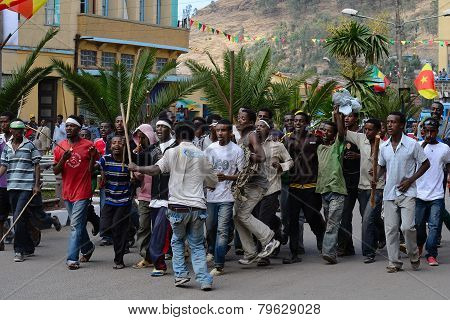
(430, 186)
(228, 160)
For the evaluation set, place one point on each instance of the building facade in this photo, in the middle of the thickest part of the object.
(93, 34)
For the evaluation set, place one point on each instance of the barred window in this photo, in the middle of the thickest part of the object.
(108, 59)
(160, 63)
(127, 60)
(88, 58)
(52, 13)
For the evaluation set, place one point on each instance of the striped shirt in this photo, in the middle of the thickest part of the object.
(20, 164)
(117, 186)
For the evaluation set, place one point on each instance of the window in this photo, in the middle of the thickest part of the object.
(158, 11)
(88, 58)
(160, 63)
(108, 59)
(52, 13)
(84, 6)
(105, 7)
(141, 10)
(127, 60)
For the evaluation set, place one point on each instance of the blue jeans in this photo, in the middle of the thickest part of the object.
(428, 211)
(79, 238)
(219, 225)
(333, 206)
(190, 226)
(371, 230)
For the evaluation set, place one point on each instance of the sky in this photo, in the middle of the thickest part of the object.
(195, 4)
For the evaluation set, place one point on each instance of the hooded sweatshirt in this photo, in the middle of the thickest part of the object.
(143, 158)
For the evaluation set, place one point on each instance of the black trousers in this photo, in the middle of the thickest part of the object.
(310, 202)
(23, 242)
(117, 220)
(266, 210)
(345, 241)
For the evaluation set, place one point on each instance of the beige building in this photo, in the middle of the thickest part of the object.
(93, 34)
(444, 35)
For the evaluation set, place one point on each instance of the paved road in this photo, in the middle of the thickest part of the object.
(46, 277)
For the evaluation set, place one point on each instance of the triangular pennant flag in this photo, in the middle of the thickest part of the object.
(191, 22)
(213, 30)
(218, 31)
(425, 83)
(199, 26)
(229, 37)
(403, 42)
(446, 43)
(313, 40)
(203, 28)
(441, 43)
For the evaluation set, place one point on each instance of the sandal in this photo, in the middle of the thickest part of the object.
(119, 266)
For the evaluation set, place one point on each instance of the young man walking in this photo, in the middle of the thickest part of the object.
(372, 224)
(189, 170)
(116, 211)
(277, 161)
(399, 159)
(20, 160)
(226, 159)
(430, 191)
(251, 186)
(145, 138)
(331, 183)
(73, 159)
(303, 201)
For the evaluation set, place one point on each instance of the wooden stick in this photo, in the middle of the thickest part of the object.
(20, 107)
(375, 170)
(54, 141)
(126, 133)
(64, 99)
(132, 85)
(230, 107)
(18, 217)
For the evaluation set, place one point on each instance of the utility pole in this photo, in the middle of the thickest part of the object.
(1, 50)
(398, 44)
(230, 108)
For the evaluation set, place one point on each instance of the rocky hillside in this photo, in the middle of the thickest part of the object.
(289, 25)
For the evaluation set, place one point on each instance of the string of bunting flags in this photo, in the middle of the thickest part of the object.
(233, 38)
(442, 43)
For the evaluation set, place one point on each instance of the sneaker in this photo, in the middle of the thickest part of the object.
(157, 273)
(206, 287)
(381, 244)
(402, 248)
(269, 248)
(329, 259)
(56, 223)
(18, 257)
(73, 266)
(142, 264)
(106, 242)
(181, 281)
(247, 261)
(217, 272)
(209, 257)
(28, 254)
(263, 262)
(415, 265)
(86, 257)
(239, 252)
(393, 269)
(432, 261)
(293, 259)
(369, 260)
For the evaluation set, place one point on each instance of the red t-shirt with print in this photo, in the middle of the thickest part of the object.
(75, 175)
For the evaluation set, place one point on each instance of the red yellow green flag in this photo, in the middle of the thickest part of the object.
(425, 83)
(28, 8)
(7, 4)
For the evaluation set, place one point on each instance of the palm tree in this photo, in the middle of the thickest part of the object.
(318, 101)
(251, 81)
(17, 88)
(102, 95)
(388, 102)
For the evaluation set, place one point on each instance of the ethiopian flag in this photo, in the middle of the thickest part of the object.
(379, 81)
(7, 4)
(28, 8)
(425, 83)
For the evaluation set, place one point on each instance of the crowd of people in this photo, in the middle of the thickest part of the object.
(201, 188)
